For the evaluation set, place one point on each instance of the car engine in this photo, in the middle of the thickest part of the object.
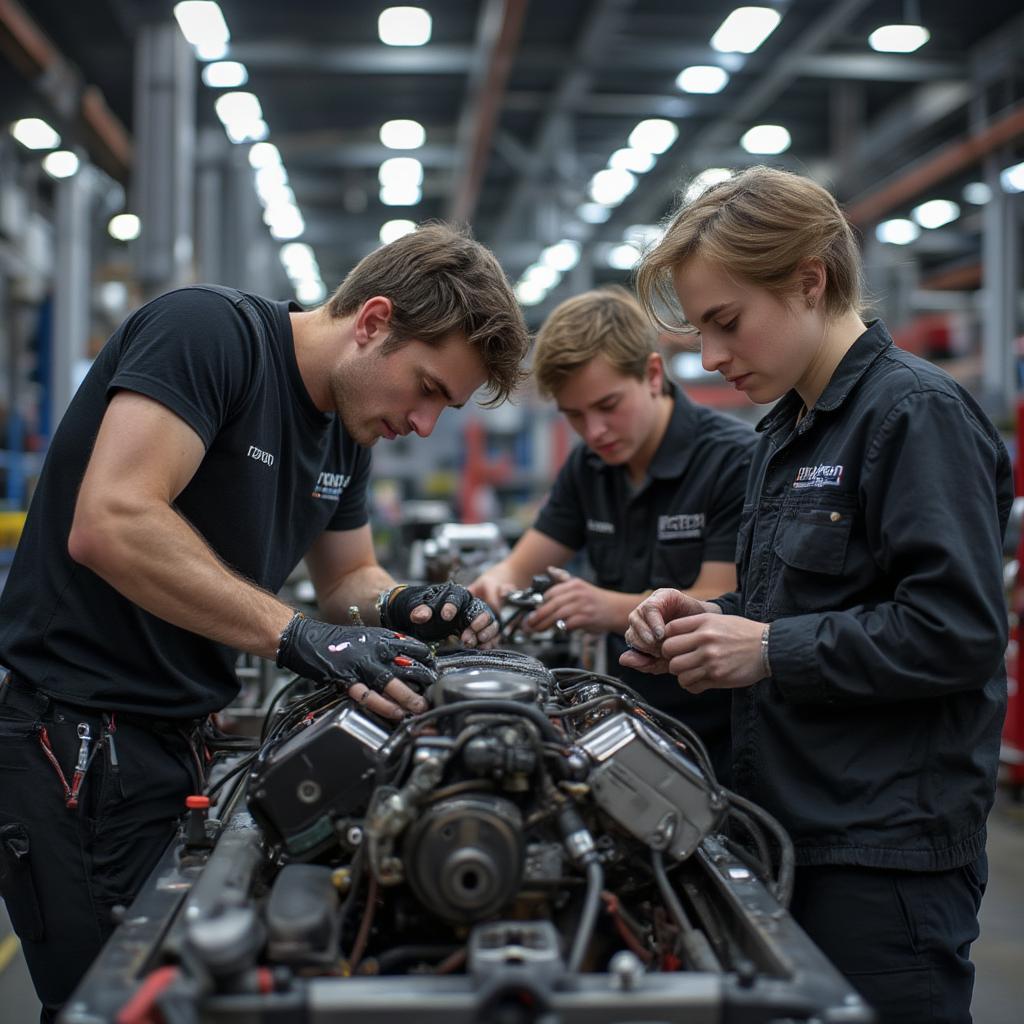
(541, 845)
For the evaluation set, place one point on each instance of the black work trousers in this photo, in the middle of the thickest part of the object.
(902, 938)
(63, 869)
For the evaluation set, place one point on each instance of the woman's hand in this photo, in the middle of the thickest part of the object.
(707, 651)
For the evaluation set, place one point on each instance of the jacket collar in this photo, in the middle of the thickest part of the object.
(862, 353)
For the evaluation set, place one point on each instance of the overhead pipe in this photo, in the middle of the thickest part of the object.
(32, 53)
(942, 164)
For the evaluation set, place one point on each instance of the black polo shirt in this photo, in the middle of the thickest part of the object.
(685, 512)
(871, 539)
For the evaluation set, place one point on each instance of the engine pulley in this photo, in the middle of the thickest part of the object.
(464, 857)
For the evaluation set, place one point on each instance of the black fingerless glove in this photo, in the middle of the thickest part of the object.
(396, 606)
(353, 654)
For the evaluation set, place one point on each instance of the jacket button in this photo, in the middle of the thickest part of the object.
(835, 517)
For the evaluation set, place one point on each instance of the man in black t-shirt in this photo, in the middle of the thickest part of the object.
(653, 494)
(218, 438)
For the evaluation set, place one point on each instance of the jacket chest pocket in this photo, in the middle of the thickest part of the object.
(676, 564)
(811, 549)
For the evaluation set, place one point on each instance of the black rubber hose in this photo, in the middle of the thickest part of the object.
(588, 919)
(694, 942)
(787, 858)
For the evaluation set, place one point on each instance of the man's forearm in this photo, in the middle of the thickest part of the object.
(157, 560)
(360, 587)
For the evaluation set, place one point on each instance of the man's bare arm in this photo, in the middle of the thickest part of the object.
(127, 531)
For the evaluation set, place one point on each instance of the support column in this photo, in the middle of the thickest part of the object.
(1000, 260)
(72, 286)
(165, 135)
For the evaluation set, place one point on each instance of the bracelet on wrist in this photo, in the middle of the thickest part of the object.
(383, 599)
(766, 667)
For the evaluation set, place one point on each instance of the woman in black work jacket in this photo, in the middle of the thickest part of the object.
(864, 645)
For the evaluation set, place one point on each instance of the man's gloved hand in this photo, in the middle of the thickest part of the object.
(373, 665)
(437, 611)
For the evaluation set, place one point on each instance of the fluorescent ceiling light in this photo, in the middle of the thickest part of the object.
(638, 161)
(401, 171)
(529, 293)
(61, 163)
(1012, 178)
(702, 78)
(609, 187)
(643, 235)
(297, 259)
(35, 133)
(287, 223)
(310, 292)
(279, 206)
(125, 227)
(688, 366)
(402, 134)
(271, 177)
(113, 296)
(704, 180)
(404, 26)
(654, 135)
(203, 25)
(623, 257)
(562, 256)
(977, 193)
(768, 139)
(898, 38)
(897, 232)
(274, 196)
(406, 194)
(593, 213)
(935, 213)
(248, 131)
(392, 230)
(225, 74)
(263, 154)
(238, 108)
(745, 29)
(546, 277)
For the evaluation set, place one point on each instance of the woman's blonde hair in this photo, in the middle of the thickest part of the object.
(760, 224)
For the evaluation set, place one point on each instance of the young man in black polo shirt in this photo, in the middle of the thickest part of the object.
(218, 438)
(653, 494)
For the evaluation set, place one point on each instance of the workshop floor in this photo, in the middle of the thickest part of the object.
(998, 954)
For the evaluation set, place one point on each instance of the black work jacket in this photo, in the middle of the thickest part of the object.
(871, 539)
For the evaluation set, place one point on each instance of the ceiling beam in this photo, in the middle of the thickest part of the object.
(879, 67)
(604, 104)
(645, 205)
(497, 43)
(371, 59)
(591, 50)
(60, 82)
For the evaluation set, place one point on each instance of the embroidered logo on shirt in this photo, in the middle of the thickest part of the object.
(684, 526)
(330, 485)
(598, 526)
(260, 455)
(818, 476)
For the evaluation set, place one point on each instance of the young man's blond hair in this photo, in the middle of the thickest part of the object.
(605, 322)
